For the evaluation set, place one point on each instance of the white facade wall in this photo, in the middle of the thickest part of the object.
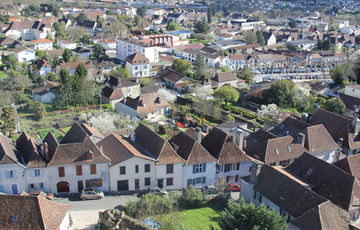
(209, 174)
(125, 49)
(351, 91)
(142, 70)
(131, 175)
(176, 175)
(126, 110)
(109, 45)
(70, 46)
(65, 223)
(9, 184)
(38, 179)
(43, 46)
(25, 56)
(102, 171)
(244, 170)
(85, 55)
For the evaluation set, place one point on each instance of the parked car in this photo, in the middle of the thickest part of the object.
(210, 189)
(90, 194)
(234, 187)
(158, 191)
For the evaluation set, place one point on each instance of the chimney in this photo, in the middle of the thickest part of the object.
(255, 172)
(239, 138)
(46, 151)
(205, 128)
(355, 125)
(301, 139)
(198, 135)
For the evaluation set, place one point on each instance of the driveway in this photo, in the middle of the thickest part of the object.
(85, 213)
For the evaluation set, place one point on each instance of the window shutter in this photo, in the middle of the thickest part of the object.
(204, 179)
(32, 173)
(194, 169)
(204, 167)
(100, 182)
(7, 174)
(41, 172)
(78, 170)
(92, 169)
(61, 171)
(14, 173)
(87, 182)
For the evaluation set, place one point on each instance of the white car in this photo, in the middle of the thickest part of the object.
(91, 195)
(158, 191)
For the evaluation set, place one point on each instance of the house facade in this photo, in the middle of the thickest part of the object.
(127, 47)
(138, 65)
(24, 54)
(42, 44)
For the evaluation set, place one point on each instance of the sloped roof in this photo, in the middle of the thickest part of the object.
(285, 191)
(190, 150)
(45, 86)
(137, 58)
(155, 145)
(146, 103)
(75, 134)
(112, 93)
(119, 149)
(350, 164)
(8, 152)
(225, 77)
(349, 101)
(289, 126)
(91, 131)
(327, 180)
(32, 212)
(221, 146)
(29, 151)
(323, 216)
(318, 139)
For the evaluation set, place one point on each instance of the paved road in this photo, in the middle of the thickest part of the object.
(85, 213)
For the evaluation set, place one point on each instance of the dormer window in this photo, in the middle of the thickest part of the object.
(276, 151)
(308, 173)
(289, 148)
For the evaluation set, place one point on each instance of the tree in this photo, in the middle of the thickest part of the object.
(205, 107)
(181, 66)
(242, 216)
(342, 73)
(167, 95)
(292, 24)
(225, 69)
(171, 26)
(209, 15)
(202, 92)
(7, 122)
(38, 108)
(201, 26)
(99, 20)
(80, 88)
(247, 75)
(82, 17)
(335, 105)
(122, 72)
(10, 60)
(227, 93)
(356, 70)
(60, 29)
(67, 55)
(260, 38)
(99, 52)
(270, 112)
(118, 30)
(200, 67)
(250, 37)
(40, 53)
(141, 11)
(53, 77)
(65, 89)
(282, 93)
(324, 45)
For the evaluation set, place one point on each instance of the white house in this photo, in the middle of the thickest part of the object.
(169, 165)
(45, 92)
(42, 44)
(76, 163)
(232, 162)
(42, 66)
(24, 54)
(138, 65)
(11, 168)
(127, 47)
(64, 44)
(353, 90)
(29, 30)
(200, 166)
(234, 62)
(131, 169)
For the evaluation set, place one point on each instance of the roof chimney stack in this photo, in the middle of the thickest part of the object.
(198, 134)
(239, 138)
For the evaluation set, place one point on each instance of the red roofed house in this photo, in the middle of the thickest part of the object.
(138, 65)
(42, 44)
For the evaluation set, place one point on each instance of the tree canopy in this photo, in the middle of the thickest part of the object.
(260, 38)
(343, 73)
(282, 93)
(243, 216)
(181, 66)
(171, 26)
(247, 75)
(202, 26)
(227, 93)
(67, 55)
(99, 52)
(335, 105)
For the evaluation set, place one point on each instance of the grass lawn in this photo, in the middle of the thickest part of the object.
(200, 218)
(3, 74)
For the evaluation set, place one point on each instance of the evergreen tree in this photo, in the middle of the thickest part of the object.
(67, 55)
(260, 38)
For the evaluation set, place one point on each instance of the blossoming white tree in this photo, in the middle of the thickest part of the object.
(167, 95)
(270, 112)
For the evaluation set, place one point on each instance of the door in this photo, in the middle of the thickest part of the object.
(137, 184)
(62, 186)
(14, 189)
(160, 183)
(80, 185)
(123, 185)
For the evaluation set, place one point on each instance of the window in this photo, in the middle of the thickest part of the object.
(92, 169)
(122, 170)
(93, 183)
(203, 180)
(32, 186)
(41, 186)
(189, 182)
(237, 166)
(169, 181)
(147, 181)
(198, 180)
(10, 174)
(169, 168)
(227, 168)
(78, 170)
(136, 168)
(61, 171)
(199, 168)
(147, 167)
(37, 172)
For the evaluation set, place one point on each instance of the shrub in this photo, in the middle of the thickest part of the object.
(150, 204)
(191, 198)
